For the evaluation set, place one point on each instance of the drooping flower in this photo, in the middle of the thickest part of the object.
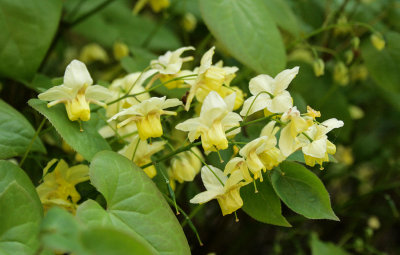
(219, 186)
(171, 62)
(147, 114)
(261, 154)
(295, 124)
(185, 166)
(238, 164)
(58, 187)
(315, 143)
(76, 92)
(270, 93)
(216, 117)
(140, 153)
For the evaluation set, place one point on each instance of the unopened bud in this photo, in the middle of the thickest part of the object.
(120, 50)
(349, 55)
(319, 67)
(355, 43)
(189, 22)
(378, 41)
(341, 74)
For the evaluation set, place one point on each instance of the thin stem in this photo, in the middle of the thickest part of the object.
(192, 214)
(136, 147)
(90, 13)
(32, 141)
(251, 105)
(209, 168)
(243, 124)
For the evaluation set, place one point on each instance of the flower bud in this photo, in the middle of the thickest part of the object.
(120, 50)
(93, 52)
(341, 74)
(355, 43)
(189, 22)
(349, 55)
(377, 41)
(319, 67)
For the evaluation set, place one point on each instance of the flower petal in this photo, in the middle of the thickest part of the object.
(210, 180)
(261, 102)
(284, 78)
(261, 83)
(57, 93)
(204, 197)
(76, 75)
(97, 92)
(281, 103)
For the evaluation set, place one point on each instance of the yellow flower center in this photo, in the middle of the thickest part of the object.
(214, 139)
(149, 126)
(78, 108)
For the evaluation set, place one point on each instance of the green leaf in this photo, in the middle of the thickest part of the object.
(27, 29)
(20, 211)
(87, 143)
(247, 30)
(318, 247)
(283, 16)
(16, 133)
(383, 66)
(134, 205)
(119, 24)
(61, 232)
(302, 191)
(263, 206)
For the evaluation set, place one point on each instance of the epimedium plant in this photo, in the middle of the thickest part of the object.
(140, 136)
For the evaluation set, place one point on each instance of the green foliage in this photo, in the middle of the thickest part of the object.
(87, 143)
(318, 247)
(16, 133)
(134, 205)
(265, 205)
(247, 31)
(302, 191)
(27, 30)
(61, 232)
(21, 211)
(383, 66)
(283, 16)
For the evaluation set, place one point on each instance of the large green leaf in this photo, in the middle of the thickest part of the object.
(16, 133)
(27, 29)
(383, 66)
(20, 211)
(263, 206)
(61, 232)
(283, 16)
(302, 191)
(87, 143)
(134, 205)
(247, 31)
(318, 247)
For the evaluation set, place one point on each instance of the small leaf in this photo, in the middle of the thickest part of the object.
(20, 211)
(263, 206)
(87, 143)
(27, 29)
(318, 247)
(247, 31)
(134, 205)
(16, 133)
(302, 191)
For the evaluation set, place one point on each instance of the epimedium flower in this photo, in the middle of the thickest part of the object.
(261, 154)
(315, 143)
(216, 117)
(225, 189)
(77, 92)
(184, 166)
(270, 93)
(171, 62)
(58, 186)
(295, 124)
(140, 153)
(147, 114)
(238, 164)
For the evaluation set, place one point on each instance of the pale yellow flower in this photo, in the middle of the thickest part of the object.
(185, 166)
(270, 93)
(147, 114)
(377, 41)
(120, 50)
(219, 186)
(93, 52)
(141, 152)
(261, 154)
(171, 62)
(216, 117)
(319, 67)
(58, 187)
(76, 92)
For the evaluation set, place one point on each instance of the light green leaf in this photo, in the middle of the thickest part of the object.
(383, 66)
(247, 31)
(283, 16)
(302, 191)
(318, 247)
(20, 211)
(87, 143)
(16, 133)
(263, 206)
(134, 205)
(27, 29)
(61, 232)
